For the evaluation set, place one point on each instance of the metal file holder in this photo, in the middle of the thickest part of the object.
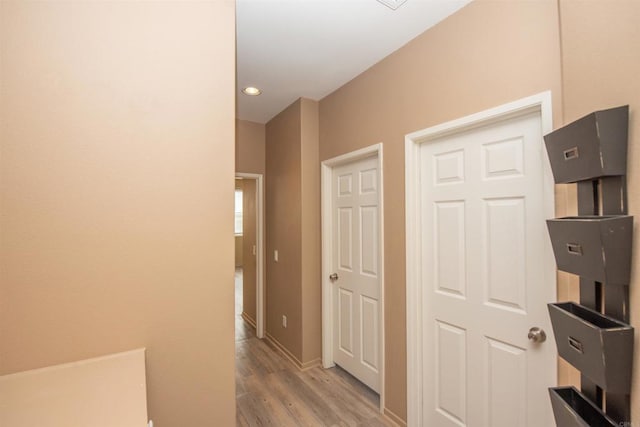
(573, 409)
(593, 247)
(592, 147)
(598, 345)
(594, 335)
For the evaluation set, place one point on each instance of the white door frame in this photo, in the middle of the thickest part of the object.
(537, 103)
(327, 252)
(259, 250)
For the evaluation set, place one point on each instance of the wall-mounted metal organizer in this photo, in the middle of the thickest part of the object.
(598, 345)
(572, 409)
(594, 336)
(591, 147)
(593, 247)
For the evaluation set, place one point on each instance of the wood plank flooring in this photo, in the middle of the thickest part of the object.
(271, 391)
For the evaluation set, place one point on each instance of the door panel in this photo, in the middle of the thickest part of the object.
(369, 310)
(507, 386)
(484, 258)
(345, 238)
(369, 240)
(345, 321)
(356, 244)
(450, 272)
(505, 246)
(451, 367)
(369, 181)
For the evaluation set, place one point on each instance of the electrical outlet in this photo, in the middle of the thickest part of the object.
(275, 255)
(254, 249)
(284, 321)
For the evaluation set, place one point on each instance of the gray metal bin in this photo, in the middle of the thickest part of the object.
(591, 147)
(594, 247)
(572, 409)
(597, 345)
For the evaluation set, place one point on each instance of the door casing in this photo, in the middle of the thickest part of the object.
(537, 103)
(327, 251)
(259, 250)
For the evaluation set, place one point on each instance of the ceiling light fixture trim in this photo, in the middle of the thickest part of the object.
(392, 4)
(251, 91)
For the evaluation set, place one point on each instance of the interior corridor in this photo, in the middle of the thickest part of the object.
(270, 390)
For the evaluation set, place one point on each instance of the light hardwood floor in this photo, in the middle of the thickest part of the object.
(271, 391)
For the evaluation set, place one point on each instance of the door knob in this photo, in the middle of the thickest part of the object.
(537, 335)
(333, 277)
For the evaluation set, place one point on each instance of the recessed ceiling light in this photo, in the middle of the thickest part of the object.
(251, 91)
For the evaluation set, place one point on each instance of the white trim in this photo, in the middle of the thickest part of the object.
(413, 291)
(541, 103)
(327, 251)
(259, 250)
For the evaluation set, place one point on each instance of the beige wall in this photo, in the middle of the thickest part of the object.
(250, 147)
(117, 191)
(487, 54)
(310, 239)
(292, 202)
(283, 192)
(249, 241)
(601, 66)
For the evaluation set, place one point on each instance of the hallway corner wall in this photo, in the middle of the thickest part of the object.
(311, 247)
(116, 188)
(292, 228)
(250, 147)
(283, 219)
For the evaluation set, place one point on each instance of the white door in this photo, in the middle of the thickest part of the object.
(356, 261)
(484, 257)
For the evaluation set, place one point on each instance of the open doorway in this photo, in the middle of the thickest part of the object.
(249, 256)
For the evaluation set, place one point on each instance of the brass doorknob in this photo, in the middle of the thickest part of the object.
(333, 277)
